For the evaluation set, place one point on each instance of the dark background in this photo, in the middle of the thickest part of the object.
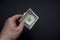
(48, 25)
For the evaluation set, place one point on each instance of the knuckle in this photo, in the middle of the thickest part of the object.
(6, 20)
(9, 19)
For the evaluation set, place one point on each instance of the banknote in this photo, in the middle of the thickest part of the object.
(30, 18)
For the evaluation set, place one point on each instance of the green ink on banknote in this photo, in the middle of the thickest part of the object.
(29, 19)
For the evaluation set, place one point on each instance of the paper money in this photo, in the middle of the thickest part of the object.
(30, 18)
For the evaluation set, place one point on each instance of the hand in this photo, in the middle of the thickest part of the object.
(11, 31)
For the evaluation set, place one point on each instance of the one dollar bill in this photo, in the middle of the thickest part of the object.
(30, 18)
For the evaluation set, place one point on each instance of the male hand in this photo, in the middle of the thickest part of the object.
(11, 31)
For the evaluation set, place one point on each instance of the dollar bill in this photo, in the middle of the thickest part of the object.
(30, 18)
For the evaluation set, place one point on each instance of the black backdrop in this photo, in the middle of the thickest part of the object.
(48, 25)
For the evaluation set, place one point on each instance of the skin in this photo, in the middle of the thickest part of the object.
(11, 31)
